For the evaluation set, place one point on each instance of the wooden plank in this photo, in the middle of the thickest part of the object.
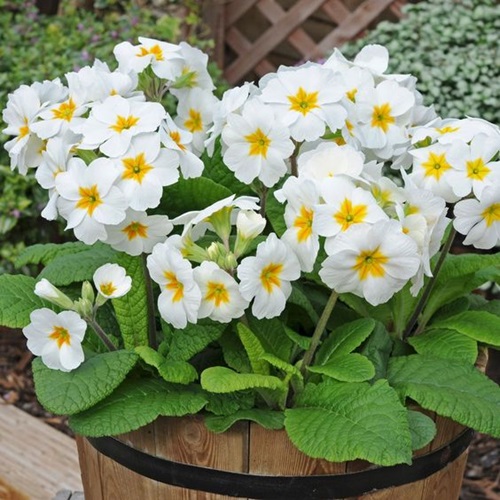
(237, 8)
(353, 25)
(272, 37)
(336, 10)
(89, 465)
(35, 459)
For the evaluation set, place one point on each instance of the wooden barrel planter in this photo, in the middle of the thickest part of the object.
(178, 459)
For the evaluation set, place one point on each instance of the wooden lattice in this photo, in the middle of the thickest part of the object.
(254, 36)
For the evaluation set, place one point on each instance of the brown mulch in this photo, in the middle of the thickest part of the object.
(482, 476)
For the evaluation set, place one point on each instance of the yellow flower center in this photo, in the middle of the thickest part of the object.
(174, 285)
(176, 137)
(65, 110)
(477, 170)
(381, 116)
(411, 210)
(194, 122)
(370, 263)
(135, 168)
(270, 276)
(124, 123)
(24, 130)
(259, 143)
(383, 196)
(447, 130)
(303, 222)
(351, 94)
(155, 51)
(107, 288)
(61, 336)
(350, 214)
(217, 293)
(436, 165)
(134, 230)
(491, 214)
(303, 101)
(89, 200)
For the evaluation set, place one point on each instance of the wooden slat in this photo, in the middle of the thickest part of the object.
(236, 9)
(272, 37)
(91, 474)
(396, 8)
(336, 10)
(353, 25)
(35, 459)
(213, 16)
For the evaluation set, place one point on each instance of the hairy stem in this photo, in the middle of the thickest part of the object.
(409, 331)
(318, 332)
(151, 304)
(101, 333)
(263, 199)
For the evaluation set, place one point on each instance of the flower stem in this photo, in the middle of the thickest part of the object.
(101, 333)
(428, 289)
(150, 304)
(318, 332)
(263, 199)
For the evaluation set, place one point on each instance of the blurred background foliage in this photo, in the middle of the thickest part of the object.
(37, 47)
(453, 48)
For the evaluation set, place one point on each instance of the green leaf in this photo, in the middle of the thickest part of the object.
(459, 266)
(132, 309)
(179, 372)
(451, 309)
(345, 339)
(282, 365)
(254, 350)
(191, 194)
(402, 305)
(381, 313)
(134, 404)
(221, 380)
(347, 368)
(275, 213)
(299, 298)
(343, 421)
(478, 325)
(446, 344)
(71, 268)
(268, 419)
(44, 253)
(450, 388)
(378, 349)
(300, 340)
(234, 353)
(271, 334)
(227, 404)
(66, 393)
(193, 339)
(422, 429)
(18, 300)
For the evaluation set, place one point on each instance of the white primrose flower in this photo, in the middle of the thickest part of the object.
(144, 169)
(249, 224)
(373, 262)
(113, 123)
(432, 171)
(473, 169)
(328, 159)
(111, 281)
(302, 195)
(88, 200)
(266, 277)
(56, 338)
(373, 57)
(194, 113)
(179, 140)
(479, 220)
(155, 53)
(180, 298)
(21, 112)
(221, 299)
(345, 205)
(306, 100)
(138, 232)
(257, 144)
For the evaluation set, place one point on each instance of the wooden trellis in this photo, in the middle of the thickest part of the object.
(254, 36)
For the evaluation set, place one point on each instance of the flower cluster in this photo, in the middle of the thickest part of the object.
(320, 143)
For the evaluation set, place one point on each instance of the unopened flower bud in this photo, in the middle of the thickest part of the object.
(46, 290)
(88, 291)
(83, 307)
(249, 224)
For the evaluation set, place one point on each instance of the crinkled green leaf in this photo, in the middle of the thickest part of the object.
(422, 429)
(275, 212)
(352, 367)
(271, 334)
(134, 404)
(221, 380)
(447, 344)
(254, 350)
(345, 339)
(341, 421)
(66, 393)
(299, 298)
(451, 309)
(268, 419)
(43, 253)
(378, 350)
(381, 313)
(132, 309)
(450, 388)
(71, 268)
(282, 365)
(227, 404)
(299, 340)
(18, 300)
(234, 353)
(482, 326)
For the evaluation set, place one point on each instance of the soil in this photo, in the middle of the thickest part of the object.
(482, 476)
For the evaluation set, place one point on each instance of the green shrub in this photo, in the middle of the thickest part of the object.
(453, 48)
